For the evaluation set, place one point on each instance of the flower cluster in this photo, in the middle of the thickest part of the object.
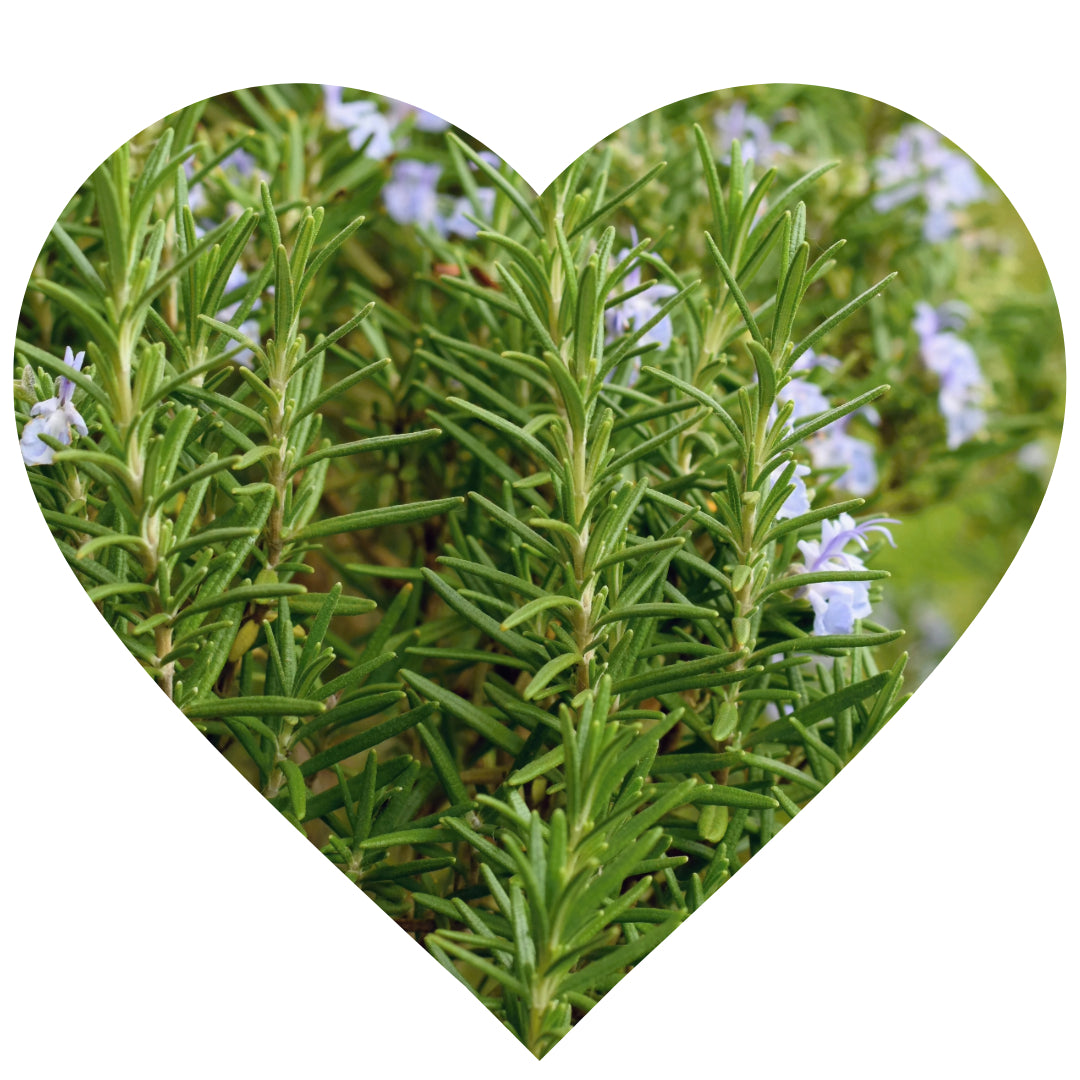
(954, 361)
(411, 197)
(54, 417)
(368, 128)
(753, 135)
(372, 129)
(833, 447)
(921, 166)
(837, 604)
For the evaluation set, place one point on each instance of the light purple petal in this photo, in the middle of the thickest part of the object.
(34, 451)
(807, 398)
(46, 408)
(74, 418)
(835, 449)
(798, 502)
(410, 197)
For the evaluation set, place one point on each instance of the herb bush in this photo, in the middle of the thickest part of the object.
(520, 550)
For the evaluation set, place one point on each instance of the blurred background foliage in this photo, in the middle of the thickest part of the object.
(965, 510)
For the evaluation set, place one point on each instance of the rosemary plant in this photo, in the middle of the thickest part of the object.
(518, 559)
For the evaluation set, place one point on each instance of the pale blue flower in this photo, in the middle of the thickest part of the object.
(798, 502)
(964, 417)
(921, 166)
(456, 223)
(410, 194)
(930, 321)
(362, 120)
(807, 362)
(952, 358)
(239, 161)
(632, 375)
(954, 184)
(954, 361)
(899, 175)
(834, 448)
(806, 397)
(837, 604)
(638, 310)
(54, 417)
(753, 134)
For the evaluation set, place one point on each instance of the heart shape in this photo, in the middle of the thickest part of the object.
(834, 602)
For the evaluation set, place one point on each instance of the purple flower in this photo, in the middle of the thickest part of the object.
(456, 223)
(964, 418)
(834, 448)
(410, 196)
(361, 119)
(837, 604)
(922, 167)
(930, 320)
(954, 361)
(806, 397)
(798, 502)
(54, 417)
(638, 310)
(753, 134)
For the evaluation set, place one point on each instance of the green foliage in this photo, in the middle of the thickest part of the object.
(499, 595)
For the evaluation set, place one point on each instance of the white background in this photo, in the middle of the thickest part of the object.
(160, 921)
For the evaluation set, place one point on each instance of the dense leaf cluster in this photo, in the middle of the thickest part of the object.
(543, 676)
